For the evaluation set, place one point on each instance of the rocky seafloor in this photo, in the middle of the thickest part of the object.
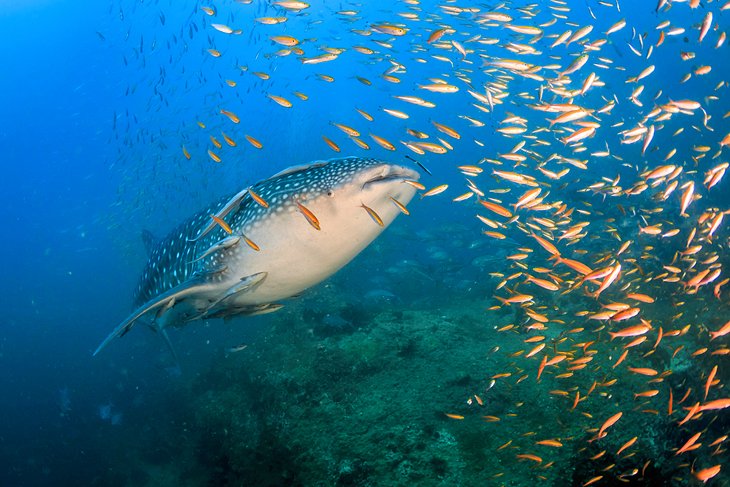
(359, 395)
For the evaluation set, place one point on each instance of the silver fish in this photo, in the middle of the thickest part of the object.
(198, 271)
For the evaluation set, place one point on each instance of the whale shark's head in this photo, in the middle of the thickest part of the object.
(320, 217)
(343, 179)
(375, 183)
(335, 189)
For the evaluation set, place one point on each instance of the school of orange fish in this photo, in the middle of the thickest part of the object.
(610, 290)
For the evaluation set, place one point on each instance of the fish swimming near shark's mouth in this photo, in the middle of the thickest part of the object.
(269, 242)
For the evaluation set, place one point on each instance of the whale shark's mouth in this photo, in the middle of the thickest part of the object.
(391, 174)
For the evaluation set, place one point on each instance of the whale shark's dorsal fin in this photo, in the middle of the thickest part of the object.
(149, 241)
(302, 167)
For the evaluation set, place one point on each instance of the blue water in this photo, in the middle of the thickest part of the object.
(97, 100)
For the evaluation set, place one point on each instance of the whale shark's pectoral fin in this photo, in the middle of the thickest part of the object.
(162, 302)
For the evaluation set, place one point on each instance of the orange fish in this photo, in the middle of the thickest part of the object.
(376, 218)
(251, 243)
(706, 474)
(529, 456)
(609, 422)
(627, 445)
(258, 199)
(222, 224)
(688, 446)
(498, 209)
(631, 331)
(710, 378)
(554, 443)
(643, 371)
(716, 404)
(331, 144)
(311, 218)
(724, 330)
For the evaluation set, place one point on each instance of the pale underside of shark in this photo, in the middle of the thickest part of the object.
(288, 233)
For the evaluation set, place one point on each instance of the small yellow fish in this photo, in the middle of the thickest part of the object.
(400, 206)
(251, 243)
(308, 215)
(369, 117)
(434, 191)
(228, 140)
(222, 28)
(446, 130)
(331, 144)
(222, 224)
(440, 88)
(214, 156)
(254, 142)
(346, 129)
(270, 20)
(232, 116)
(292, 5)
(389, 29)
(258, 199)
(382, 142)
(287, 41)
(376, 218)
(281, 101)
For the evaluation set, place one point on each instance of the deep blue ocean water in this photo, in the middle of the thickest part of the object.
(97, 100)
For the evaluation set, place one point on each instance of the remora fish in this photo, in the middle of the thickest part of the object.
(199, 271)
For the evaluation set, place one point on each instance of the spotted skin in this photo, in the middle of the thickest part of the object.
(234, 278)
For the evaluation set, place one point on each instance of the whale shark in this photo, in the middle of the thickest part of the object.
(268, 242)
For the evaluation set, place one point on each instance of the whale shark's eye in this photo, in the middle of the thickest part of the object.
(330, 193)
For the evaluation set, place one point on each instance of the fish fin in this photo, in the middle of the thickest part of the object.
(162, 301)
(304, 167)
(149, 241)
(232, 204)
